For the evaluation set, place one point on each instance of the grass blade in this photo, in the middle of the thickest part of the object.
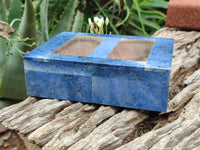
(126, 18)
(140, 16)
(154, 4)
(105, 15)
(37, 7)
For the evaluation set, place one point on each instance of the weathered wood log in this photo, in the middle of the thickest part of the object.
(185, 57)
(56, 125)
(33, 116)
(5, 30)
(95, 118)
(183, 132)
(172, 134)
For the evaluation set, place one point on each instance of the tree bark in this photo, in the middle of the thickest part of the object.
(5, 30)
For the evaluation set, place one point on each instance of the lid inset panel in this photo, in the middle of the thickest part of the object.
(132, 49)
(79, 45)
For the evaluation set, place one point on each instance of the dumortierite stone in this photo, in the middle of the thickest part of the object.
(97, 79)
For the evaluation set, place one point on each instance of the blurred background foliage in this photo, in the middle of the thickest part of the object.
(36, 21)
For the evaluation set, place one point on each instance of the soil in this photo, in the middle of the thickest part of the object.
(14, 142)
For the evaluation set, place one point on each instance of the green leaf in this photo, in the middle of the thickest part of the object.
(14, 12)
(135, 26)
(52, 3)
(140, 16)
(7, 4)
(38, 6)
(3, 59)
(65, 22)
(151, 24)
(126, 18)
(78, 22)
(13, 84)
(105, 15)
(3, 11)
(7, 102)
(27, 28)
(154, 4)
(3, 46)
(153, 12)
(55, 10)
(147, 16)
(44, 19)
(148, 23)
(136, 32)
(39, 39)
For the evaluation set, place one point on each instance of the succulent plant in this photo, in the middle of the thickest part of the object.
(12, 80)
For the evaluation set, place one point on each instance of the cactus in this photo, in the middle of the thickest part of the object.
(13, 81)
(44, 19)
(3, 47)
(3, 11)
(14, 12)
(78, 22)
(65, 22)
(28, 26)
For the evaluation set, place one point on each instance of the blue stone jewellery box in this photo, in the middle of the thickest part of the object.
(117, 70)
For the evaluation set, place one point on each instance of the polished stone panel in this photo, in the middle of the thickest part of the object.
(74, 88)
(132, 49)
(117, 70)
(79, 45)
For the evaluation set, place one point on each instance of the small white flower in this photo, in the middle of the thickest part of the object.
(102, 21)
(90, 21)
(99, 24)
(96, 19)
(99, 21)
(107, 21)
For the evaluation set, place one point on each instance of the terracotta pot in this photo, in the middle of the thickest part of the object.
(183, 14)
